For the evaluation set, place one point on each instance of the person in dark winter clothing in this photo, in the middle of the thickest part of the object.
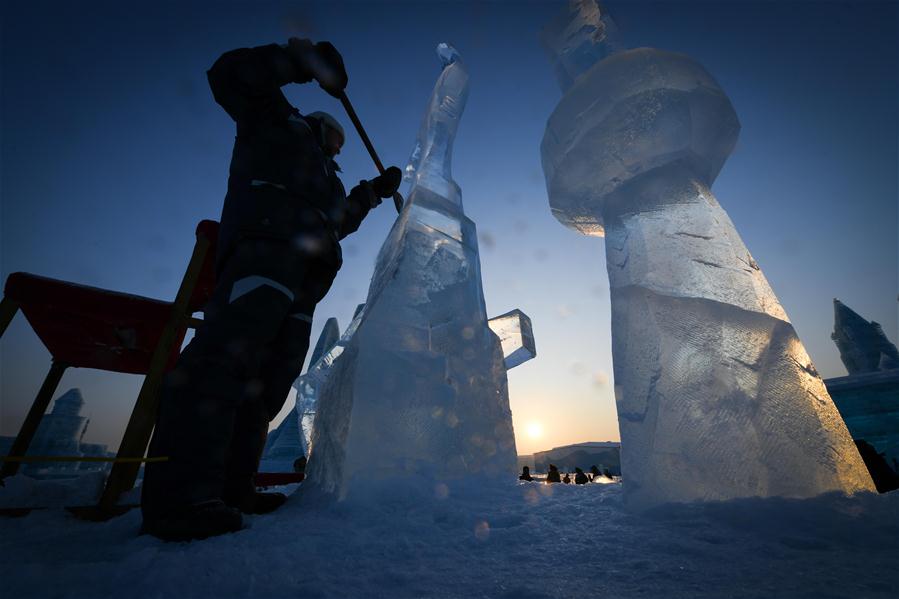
(278, 252)
(579, 477)
(553, 475)
(525, 474)
(299, 465)
(566, 479)
(594, 472)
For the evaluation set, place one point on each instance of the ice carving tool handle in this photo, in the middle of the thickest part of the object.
(397, 198)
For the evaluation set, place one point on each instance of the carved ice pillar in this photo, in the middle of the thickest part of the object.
(418, 395)
(716, 396)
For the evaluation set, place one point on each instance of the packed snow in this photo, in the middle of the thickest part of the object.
(510, 540)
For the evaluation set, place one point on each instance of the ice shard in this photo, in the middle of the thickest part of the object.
(291, 439)
(717, 398)
(326, 340)
(286, 443)
(419, 394)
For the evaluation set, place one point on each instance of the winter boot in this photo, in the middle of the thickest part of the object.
(198, 521)
(250, 501)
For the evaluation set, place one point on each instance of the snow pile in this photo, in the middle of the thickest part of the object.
(24, 491)
(521, 541)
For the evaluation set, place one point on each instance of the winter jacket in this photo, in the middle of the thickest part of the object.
(281, 185)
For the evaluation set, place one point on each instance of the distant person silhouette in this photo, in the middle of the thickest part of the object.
(299, 464)
(553, 475)
(594, 471)
(525, 474)
(579, 477)
(567, 479)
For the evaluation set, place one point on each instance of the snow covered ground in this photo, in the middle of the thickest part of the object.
(515, 541)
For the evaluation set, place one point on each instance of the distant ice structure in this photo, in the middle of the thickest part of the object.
(716, 395)
(863, 345)
(419, 394)
(61, 432)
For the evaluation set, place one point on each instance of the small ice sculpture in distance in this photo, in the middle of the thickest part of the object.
(419, 395)
(515, 336)
(717, 398)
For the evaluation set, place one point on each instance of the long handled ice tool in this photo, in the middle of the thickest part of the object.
(397, 198)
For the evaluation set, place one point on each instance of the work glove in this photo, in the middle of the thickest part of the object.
(332, 75)
(385, 185)
(373, 200)
(322, 61)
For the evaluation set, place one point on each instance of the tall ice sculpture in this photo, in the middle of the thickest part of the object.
(717, 398)
(419, 392)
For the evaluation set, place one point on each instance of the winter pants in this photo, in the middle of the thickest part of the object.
(234, 376)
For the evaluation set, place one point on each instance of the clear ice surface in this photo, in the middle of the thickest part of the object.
(717, 398)
(430, 164)
(418, 394)
(516, 337)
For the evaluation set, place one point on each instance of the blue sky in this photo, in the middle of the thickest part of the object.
(111, 149)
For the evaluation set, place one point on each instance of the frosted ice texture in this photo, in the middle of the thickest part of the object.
(577, 38)
(328, 348)
(419, 393)
(516, 337)
(286, 442)
(716, 395)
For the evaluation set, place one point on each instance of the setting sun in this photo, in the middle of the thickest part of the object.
(535, 430)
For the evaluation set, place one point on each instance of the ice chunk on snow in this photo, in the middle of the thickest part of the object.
(716, 396)
(516, 337)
